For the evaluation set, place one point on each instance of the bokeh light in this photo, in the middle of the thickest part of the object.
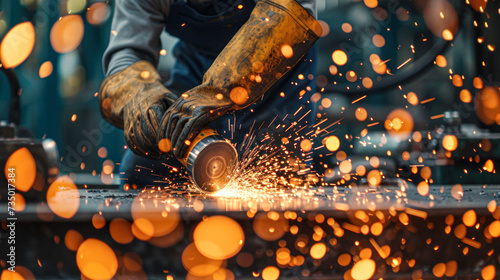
(270, 226)
(318, 251)
(469, 218)
(24, 166)
(153, 218)
(73, 239)
(441, 18)
(363, 270)
(97, 13)
(239, 95)
(17, 45)
(96, 260)
(63, 197)
(339, 57)
(332, 143)
(120, 231)
(197, 264)
(67, 33)
(218, 237)
(399, 124)
(45, 69)
(450, 142)
(270, 273)
(487, 105)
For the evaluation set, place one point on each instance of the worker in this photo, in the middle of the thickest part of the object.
(237, 63)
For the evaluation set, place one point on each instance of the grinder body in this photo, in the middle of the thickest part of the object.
(210, 160)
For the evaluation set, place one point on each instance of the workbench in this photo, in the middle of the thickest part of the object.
(402, 233)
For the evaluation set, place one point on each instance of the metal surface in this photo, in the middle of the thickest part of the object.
(418, 234)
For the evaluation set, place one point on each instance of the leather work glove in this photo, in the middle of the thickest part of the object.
(275, 38)
(135, 100)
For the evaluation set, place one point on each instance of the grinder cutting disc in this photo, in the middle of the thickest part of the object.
(211, 163)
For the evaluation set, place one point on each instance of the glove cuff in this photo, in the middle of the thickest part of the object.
(274, 39)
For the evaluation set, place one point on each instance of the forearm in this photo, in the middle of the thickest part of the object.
(135, 33)
(263, 61)
(310, 6)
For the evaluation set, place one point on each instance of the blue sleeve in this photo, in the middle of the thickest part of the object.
(310, 6)
(135, 33)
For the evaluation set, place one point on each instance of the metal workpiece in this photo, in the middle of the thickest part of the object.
(327, 231)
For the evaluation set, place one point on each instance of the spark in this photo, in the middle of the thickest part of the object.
(437, 116)
(427, 100)
(404, 63)
(361, 98)
(471, 243)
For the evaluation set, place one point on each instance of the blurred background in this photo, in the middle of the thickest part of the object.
(424, 57)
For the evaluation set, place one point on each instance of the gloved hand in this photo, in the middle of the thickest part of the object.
(190, 113)
(276, 36)
(135, 99)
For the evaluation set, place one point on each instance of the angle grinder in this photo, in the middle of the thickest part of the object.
(210, 160)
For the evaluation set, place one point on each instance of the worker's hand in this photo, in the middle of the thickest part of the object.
(135, 99)
(258, 55)
(189, 114)
(142, 116)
